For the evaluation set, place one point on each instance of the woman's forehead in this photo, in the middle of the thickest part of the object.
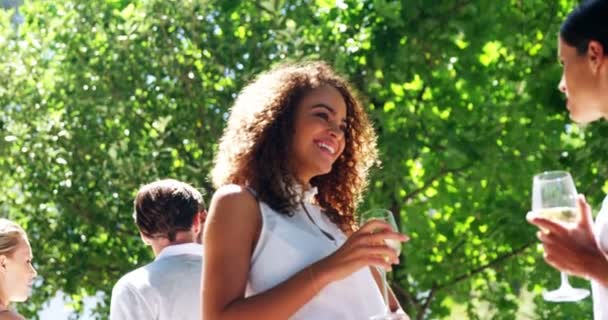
(23, 247)
(327, 95)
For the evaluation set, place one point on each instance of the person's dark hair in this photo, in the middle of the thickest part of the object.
(165, 207)
(255, 147)
(589, 21)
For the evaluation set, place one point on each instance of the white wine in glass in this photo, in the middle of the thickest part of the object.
(562, 214)
(554, 197)
(386, 216)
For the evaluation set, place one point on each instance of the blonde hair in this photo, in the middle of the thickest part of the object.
(10, 235)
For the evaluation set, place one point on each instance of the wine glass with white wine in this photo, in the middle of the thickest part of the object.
(386, 216)
(554, 197)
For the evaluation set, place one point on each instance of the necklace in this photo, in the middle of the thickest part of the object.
(325, 233)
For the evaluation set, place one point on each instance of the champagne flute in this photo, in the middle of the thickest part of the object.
(554, 197)
(386, 216)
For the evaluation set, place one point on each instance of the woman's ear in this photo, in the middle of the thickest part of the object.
(2, 263)
(596, 53)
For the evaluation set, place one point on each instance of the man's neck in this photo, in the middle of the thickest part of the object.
(160, 244)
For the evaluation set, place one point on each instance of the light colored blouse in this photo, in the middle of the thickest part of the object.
(600, 293)
(288, 244)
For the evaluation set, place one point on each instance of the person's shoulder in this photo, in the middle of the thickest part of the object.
(233, 198)
(605, 203)
(10, 316)
(183, 263)
(131, 281)
(233, 209)
(234, 193)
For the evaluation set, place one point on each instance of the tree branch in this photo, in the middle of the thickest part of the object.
(427, 302)
(483, 267)
(443, 172)
(400, 292)
(261, 7)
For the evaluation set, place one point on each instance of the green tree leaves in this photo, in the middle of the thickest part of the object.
(100, 97)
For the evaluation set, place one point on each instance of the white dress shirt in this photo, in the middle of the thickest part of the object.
(166, 289)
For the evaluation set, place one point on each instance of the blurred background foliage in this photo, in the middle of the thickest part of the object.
(99, 97)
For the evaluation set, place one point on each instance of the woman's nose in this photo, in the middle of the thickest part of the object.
(562, 84)
(336, 131)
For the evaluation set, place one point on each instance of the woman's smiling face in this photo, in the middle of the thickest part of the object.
(319, 127)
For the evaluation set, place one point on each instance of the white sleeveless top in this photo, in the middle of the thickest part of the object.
(289, 244)
(600, 293)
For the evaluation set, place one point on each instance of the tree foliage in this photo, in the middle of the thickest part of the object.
(99, 97)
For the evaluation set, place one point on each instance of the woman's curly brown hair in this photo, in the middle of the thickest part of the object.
(254, 149)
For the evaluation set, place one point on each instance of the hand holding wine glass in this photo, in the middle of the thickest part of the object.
(363, 248)
(573, 248)
(385, 216)
(554, 198)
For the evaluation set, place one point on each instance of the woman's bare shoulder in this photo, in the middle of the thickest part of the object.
(234, 192)
(234, 197)
(233, 202)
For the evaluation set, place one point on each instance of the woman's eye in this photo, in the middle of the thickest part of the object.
(322, 115)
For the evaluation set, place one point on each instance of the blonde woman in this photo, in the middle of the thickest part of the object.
(16, 270)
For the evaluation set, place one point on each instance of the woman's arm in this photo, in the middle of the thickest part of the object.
(230, 234)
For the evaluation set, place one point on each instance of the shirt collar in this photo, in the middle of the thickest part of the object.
(191, 248)
(307, 195)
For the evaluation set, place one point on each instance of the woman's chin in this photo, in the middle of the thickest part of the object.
(323, 171)
(20, 298)
(584, 117)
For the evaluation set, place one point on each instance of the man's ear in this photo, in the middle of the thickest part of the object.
(203, 217)
(145, 239)
(199, 221)
(596, 53)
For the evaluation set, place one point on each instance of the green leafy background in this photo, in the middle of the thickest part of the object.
(98, 97)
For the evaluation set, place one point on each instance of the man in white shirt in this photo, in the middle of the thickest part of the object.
(169, 215)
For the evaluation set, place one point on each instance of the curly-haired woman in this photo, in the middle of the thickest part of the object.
(16, 270)
(280, 239)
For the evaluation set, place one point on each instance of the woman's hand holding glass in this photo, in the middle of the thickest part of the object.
(368, 246)
(573, 248)
(387, 217)
(554, 198)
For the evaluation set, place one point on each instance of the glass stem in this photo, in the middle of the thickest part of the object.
(565, 283)
(387, 308)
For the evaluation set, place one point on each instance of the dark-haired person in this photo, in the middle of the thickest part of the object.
(281, 240)
(16, 271)
(168, 214)
(582, 250)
